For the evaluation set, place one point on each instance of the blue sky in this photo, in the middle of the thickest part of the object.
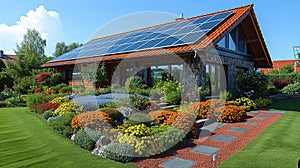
(76, 21)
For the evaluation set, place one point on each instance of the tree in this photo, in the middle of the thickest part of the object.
(93, 72)
(287, 69)
(30, 53)
(61, 48)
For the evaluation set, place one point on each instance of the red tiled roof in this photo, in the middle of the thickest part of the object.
(279, 64)
(212, 37)
(8, 58)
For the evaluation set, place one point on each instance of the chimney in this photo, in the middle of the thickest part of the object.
(180, 17)
(1, 54)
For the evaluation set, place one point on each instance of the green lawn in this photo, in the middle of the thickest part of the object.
(277, 146)
(27, 141)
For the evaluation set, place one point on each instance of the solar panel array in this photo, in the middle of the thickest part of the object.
(178, 33)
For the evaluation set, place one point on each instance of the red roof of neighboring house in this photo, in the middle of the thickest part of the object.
(262, 58)
(8, 58)
(280, 63)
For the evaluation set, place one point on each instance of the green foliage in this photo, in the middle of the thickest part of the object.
(171, 89)
(138, 101)
(66, 89)
(36, 98)
(24, 84)
(291, 88)
(55, 79)
(226, 95)
(16, 101)
(286, 69)
(83, 140)
(63, 124)
(5, 80)
(246, 103)
(47, 114)
(120, 152)
(30, 53)
(145, 92)
(108, 105)
(94, 73)
(114, 114)
(263, 102)
(58, 87)
(132, 83)
(252, 80)
(61, 48)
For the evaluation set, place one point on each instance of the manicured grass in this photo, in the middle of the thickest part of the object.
(277, 146)
(27, 141)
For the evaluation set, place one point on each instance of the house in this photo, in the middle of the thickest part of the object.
(5, 59)
(277, 64)
(209, 49)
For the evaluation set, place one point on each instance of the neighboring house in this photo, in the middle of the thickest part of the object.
(280, 63)
(229, 39)
(5, 58)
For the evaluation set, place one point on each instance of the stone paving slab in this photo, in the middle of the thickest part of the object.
(264, 115)
(177, 163)
(237, 129)
(252, 112)
(206, 150)
(224, 138)
(213, 126)
(258, 118)
(276, 112)
(251, 123)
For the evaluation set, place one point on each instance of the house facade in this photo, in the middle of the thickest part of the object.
(210, 49)
(277, 64)
(5, 59)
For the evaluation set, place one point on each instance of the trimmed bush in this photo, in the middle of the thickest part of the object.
(55, 79)
(83, 140)
(246, 103)
(68, 107)
(94, 120)
(132, 83)
(292, 88)
(263, 102)
(280, 83)
(47, 114)
(231, 114)
(120, 152)
(138, 101)
(62, 124)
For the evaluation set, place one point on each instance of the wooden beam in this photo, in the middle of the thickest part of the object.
(252, 41)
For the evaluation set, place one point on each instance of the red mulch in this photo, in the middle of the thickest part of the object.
(227, 148)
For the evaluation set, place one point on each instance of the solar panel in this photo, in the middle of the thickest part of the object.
(173, 34)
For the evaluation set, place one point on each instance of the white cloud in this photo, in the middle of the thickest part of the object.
(48, 23)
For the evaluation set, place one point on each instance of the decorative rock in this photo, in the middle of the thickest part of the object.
(101, 151)
(125, 111)
(102, 141)
(73, 137)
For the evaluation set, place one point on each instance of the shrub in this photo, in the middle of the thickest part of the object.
(171, 89)
(95, 120)
(66, 89)
(163, 116)
(272, 90)
(5, 80)
(246, 103)
(68, 107)
(47, 114)
(231, 114)
(206, 109)
(15, 101)
(120, 152)
(145, 92)
(252, 80)
(24, 84)
(138, 102)
(226, 95)
(263, 102)
(83, 140)
(280, 83)
(153, 144)
(292, 88)
(34, 99)
(55, 79)
(43, 78)
(46, 106)
(60, 100)
(108, 105)
(132, 83)
(184, 121)
(63, 124)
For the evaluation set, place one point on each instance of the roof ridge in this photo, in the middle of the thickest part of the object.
(175, 21)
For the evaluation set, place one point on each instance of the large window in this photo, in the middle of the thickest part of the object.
(235, 41)
(213, 78)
